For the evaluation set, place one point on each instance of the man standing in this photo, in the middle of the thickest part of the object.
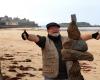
(54, 68)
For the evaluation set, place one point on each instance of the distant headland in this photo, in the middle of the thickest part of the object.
(9, 22)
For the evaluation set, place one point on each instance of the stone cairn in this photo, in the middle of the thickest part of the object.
(73, 50)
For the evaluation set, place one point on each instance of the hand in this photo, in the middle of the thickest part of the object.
(25, 35)
(96, 35)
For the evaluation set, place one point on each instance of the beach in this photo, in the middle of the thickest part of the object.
(22, 60)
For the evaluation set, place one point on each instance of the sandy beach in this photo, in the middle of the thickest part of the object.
(22, 60)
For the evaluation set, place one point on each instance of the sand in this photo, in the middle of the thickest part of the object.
(22, 60)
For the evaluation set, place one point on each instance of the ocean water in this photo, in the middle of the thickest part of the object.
(80, 28)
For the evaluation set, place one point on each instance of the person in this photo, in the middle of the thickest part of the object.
(54, 68)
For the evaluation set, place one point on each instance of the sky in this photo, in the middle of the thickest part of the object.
(45, 11)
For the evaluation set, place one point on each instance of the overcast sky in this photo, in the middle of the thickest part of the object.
(45, 11)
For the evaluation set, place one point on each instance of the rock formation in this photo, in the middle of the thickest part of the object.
(73, 50)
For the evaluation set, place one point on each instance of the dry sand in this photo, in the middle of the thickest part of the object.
(23, 59)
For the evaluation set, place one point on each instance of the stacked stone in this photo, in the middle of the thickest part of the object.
(73, 50)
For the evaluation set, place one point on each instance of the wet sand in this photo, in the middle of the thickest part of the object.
(22, 60)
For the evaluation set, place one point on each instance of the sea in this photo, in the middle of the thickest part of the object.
(80, 28)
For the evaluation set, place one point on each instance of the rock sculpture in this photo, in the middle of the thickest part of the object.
(73, 50)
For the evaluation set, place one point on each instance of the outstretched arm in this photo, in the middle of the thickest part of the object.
(30, 37)
(91, 36)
